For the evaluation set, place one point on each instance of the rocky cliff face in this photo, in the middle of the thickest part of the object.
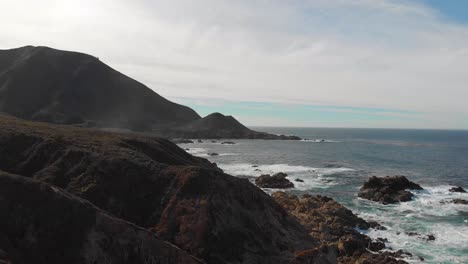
(40, 223)
(153, 183)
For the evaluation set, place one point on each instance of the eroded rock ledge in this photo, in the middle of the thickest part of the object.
(334, 226)
(388, 190)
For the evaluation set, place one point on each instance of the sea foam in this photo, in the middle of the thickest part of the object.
(312, 177)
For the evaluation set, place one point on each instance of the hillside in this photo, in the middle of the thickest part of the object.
(45, 84)
(63, 87)
(217, 126)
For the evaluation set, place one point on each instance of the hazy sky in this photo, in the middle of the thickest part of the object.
(335, 63)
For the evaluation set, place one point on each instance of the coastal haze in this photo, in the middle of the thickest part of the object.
(384, 63)
(234, 132)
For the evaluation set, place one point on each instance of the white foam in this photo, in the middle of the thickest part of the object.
(203, 152)
(319, 141)
(430, 212)
(312, 177)
(197, 151)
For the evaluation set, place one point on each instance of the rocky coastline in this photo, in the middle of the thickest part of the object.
(128, 198)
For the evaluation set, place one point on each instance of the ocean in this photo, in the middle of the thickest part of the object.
(336, 162)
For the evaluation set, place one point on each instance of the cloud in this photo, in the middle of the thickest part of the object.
(359, 53)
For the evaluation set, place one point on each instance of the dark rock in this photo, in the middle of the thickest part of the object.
(459, 201)
(153, 183)
(254, 166)
(44, 224)
(213, 154)
(334, 226)
(388, 189)
(384, 240)
(213, 141)
(277, 181)
(375, 225)
(228, 143)
(430, 238)
(457, 189)
(257, 170)
(299, 180)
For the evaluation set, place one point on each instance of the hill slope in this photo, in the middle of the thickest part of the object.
(216, 126)
(45, 84)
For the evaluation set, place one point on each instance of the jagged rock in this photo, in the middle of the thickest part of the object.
(457, 189)
(390, 189)
(40, 223)
(277, 181)
(459, 201)
(153, 183)
(334, 226)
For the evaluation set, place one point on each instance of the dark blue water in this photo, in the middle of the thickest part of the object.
(335, 162)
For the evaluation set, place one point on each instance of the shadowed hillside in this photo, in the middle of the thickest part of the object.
(40, 83)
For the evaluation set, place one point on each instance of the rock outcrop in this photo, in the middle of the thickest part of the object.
(151, 182)
(457, 189)
(334, 226)
(40, 223)
(276, 181)
(388, 190)
(459, 201)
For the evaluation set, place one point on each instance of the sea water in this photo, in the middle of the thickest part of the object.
(336, 162)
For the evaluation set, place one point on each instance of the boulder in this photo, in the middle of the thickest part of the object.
(459, 201)
(387, 190)
(276, 181)
(457, 189)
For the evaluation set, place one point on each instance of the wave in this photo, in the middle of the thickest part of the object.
(311, 177)
(320, 141)
(203, 152)
(429, 213)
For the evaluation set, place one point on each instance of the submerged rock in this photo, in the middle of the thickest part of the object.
(457, 189)
(459, 201)
(277, 181)
(387, 190)
(228, 143)
(299, 180)
(213, 154)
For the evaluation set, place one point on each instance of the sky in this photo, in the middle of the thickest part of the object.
(317, 63)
